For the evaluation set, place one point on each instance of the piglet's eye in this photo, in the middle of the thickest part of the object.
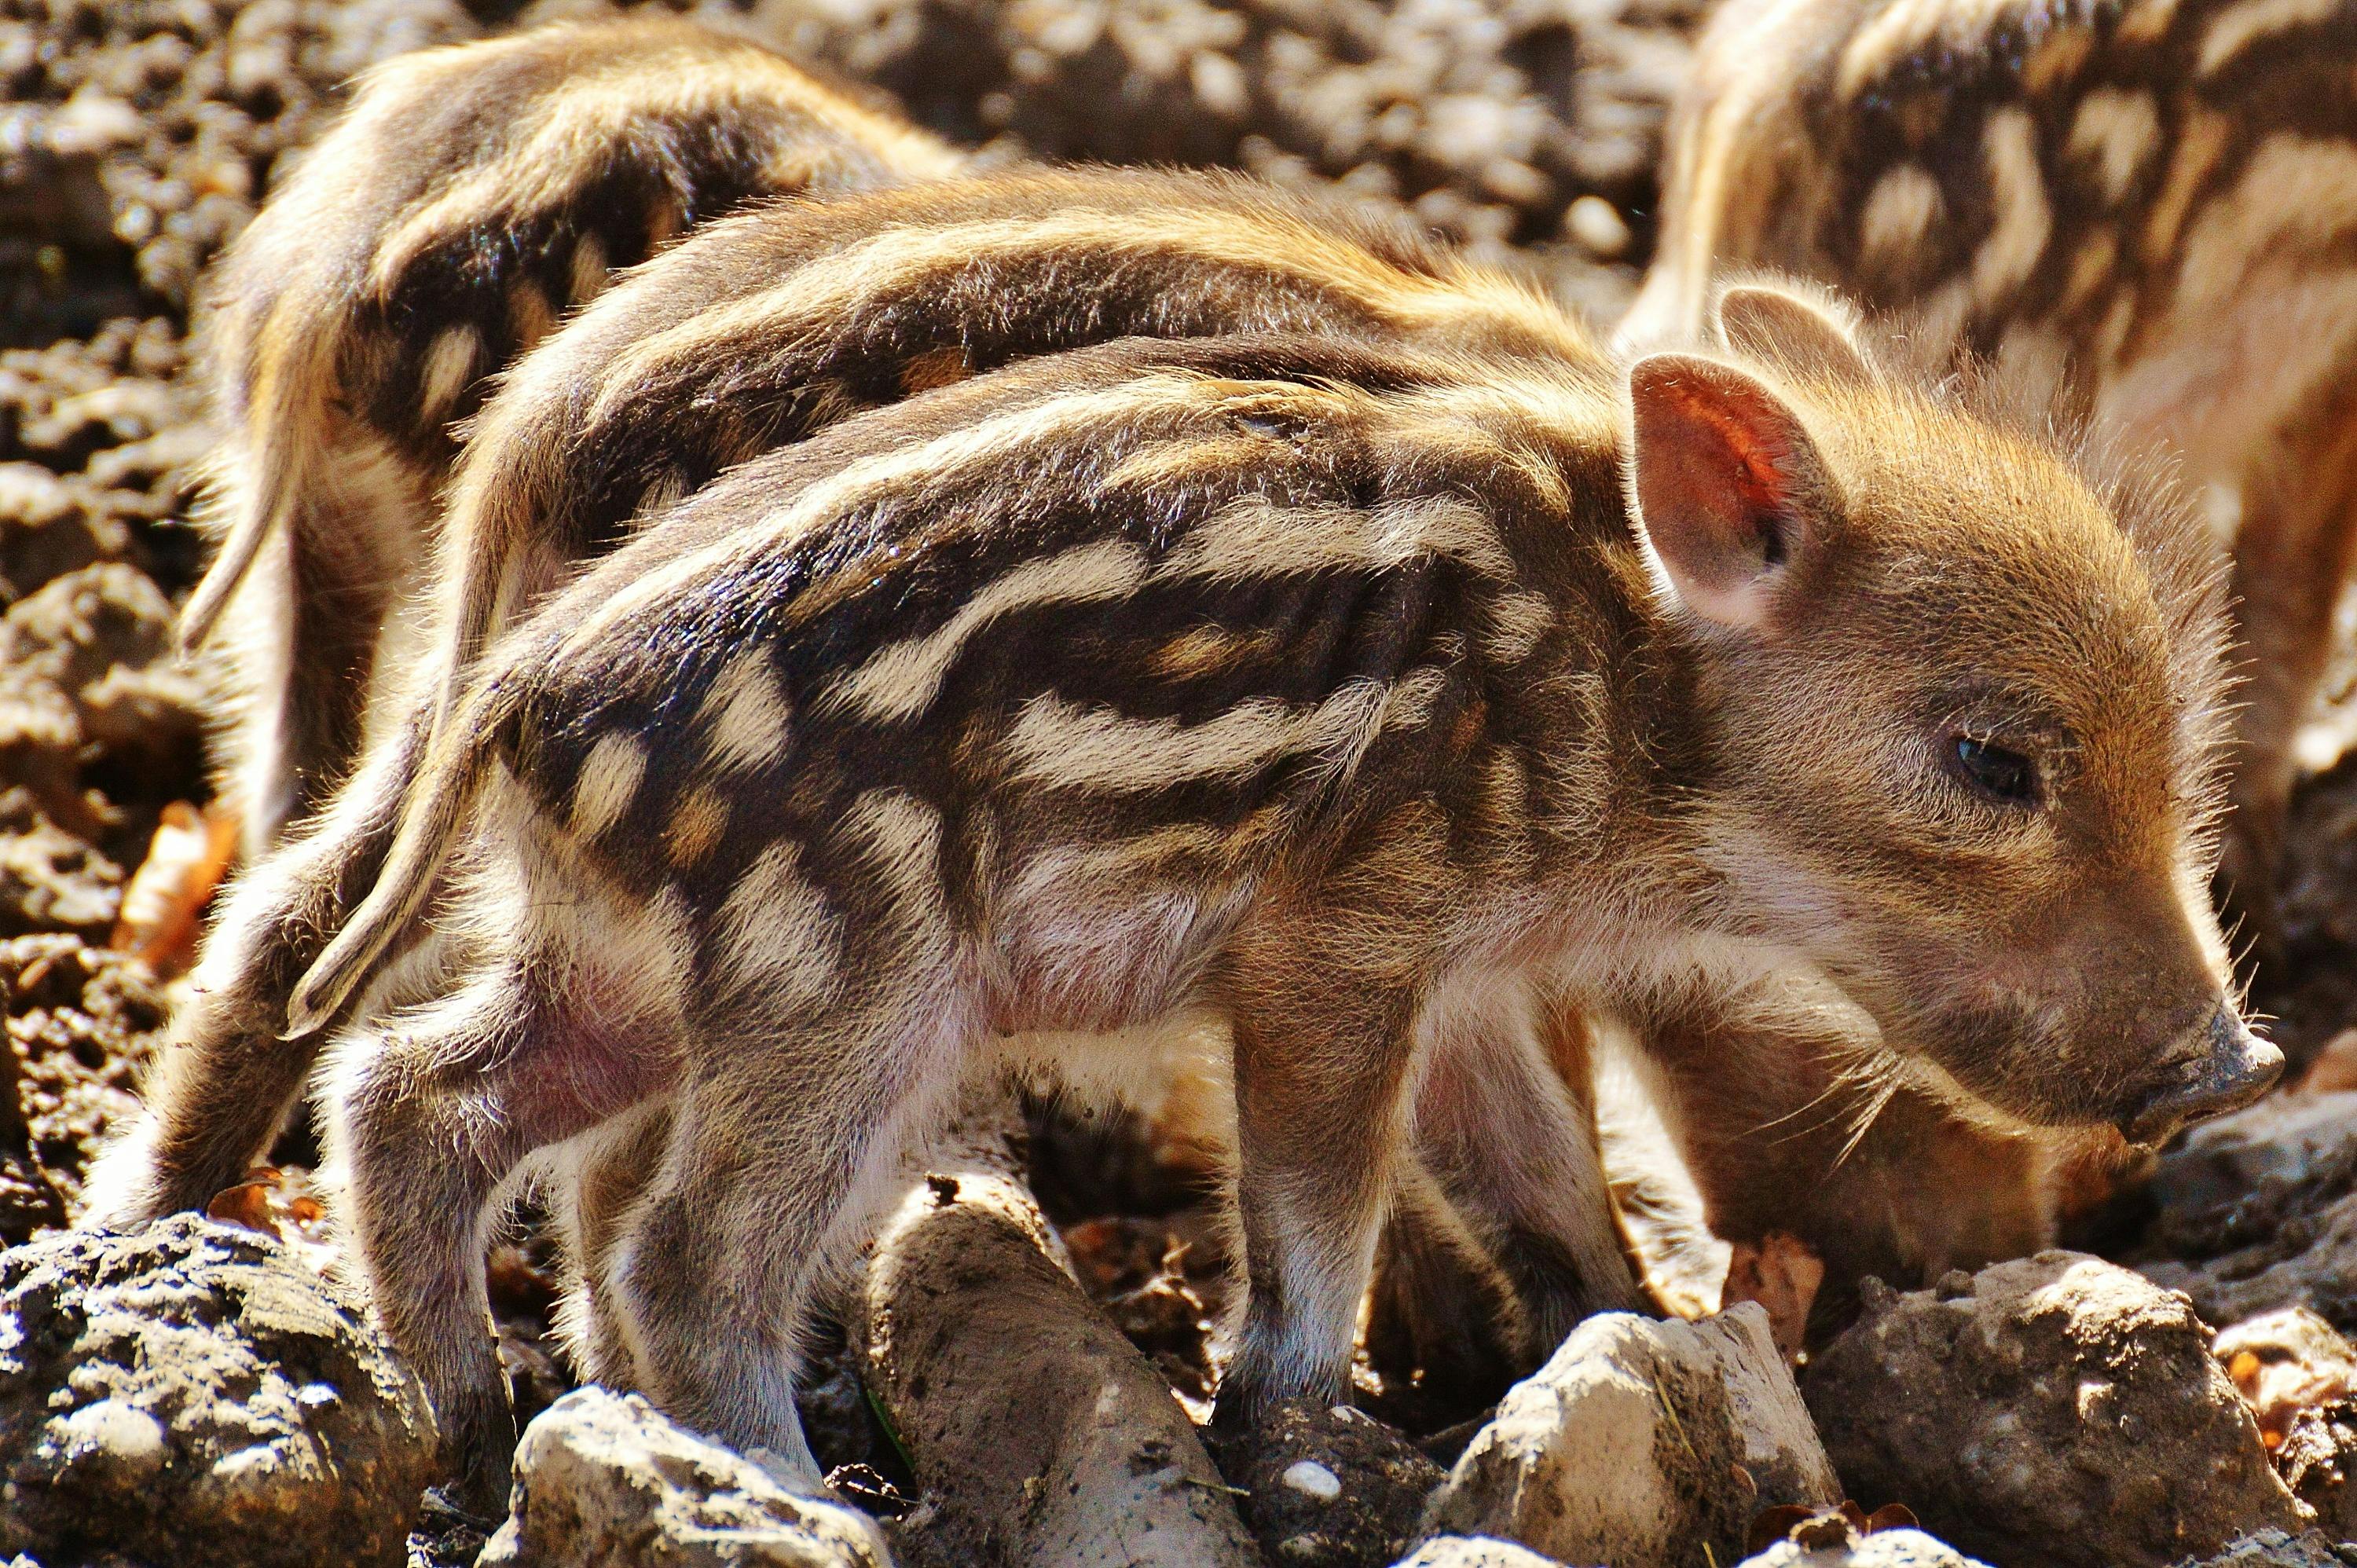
(1998, 772)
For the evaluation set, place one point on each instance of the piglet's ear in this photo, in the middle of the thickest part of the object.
(1725, 484)
(1807, 336)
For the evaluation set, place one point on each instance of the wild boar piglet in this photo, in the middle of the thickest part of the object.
(2147, 208)
(750, 334)
(2140, 214)
(1328, 689)
(468, 199)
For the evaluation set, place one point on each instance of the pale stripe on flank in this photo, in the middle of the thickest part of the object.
(1065, 747)
(900, 681)
(450, 362)
(2253, 20)
(1252, 538)
(2011, 252)
(587, 279)
(776, 934)
(609, 780)
(900, 837)
(1517, 621)
(744, 716)
(1899, 212)
(2117, 130)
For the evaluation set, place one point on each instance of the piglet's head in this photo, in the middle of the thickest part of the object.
(1957, 722)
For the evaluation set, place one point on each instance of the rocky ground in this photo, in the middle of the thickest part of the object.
(208, 1394)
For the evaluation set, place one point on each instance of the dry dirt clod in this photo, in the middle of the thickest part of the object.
(86, 663)
(2055, 1410)
(192, 1393)
(2258, 1211)
(1040, 1434)
(81, 1025)
(1330, 1487)
(50, 880)
(604, 1479)
(1642, 1443)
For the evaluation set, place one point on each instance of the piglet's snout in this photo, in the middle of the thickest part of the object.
(2222, 1066)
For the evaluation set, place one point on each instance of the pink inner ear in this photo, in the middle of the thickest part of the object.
(1721, 471)
(1721, 478)
(1757, 459)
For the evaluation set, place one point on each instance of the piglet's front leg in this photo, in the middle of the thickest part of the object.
(1320, 1076)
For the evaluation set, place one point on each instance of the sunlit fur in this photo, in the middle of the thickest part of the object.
(2143, 212)
(469, 198)
(1000, 807)
(2136, 217)
(748, 335)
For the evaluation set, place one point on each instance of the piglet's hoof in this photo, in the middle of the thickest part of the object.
(479, 1457)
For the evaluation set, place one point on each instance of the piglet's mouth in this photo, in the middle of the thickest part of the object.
(2224, 1067)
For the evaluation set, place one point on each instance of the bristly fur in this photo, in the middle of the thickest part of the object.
(803, 322)
(1352, 691)
(749, 336)
(471, 198)
(2128, 217)
(2141, 214)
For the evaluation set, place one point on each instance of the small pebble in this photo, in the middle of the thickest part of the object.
(1597, 226)
(1312, 1479)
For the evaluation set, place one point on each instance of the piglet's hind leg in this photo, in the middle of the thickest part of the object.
(435, 1108)
(782, 1141)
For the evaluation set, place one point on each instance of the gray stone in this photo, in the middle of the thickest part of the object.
(2052, 1410)
(193, 1393)
(87, 663)
(1642, 1443)
(2282, 1137)
(604, 1480)
(2256, 1212)
(50, 880)
(1473, 1552)
(2279, 1549)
